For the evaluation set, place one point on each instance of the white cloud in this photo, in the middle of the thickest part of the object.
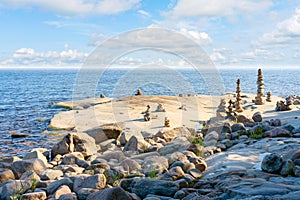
(223, 56)
(75, 7)
(144, 13)
(200, 37)
(262, 55)
(287, 31)
(194, 8)
(30, 57)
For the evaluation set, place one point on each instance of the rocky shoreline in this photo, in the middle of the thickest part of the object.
(255, 155)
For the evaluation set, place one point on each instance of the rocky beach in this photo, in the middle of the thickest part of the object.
(164, 148)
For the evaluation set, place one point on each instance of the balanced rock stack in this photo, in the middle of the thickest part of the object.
(167, 122)
(139, 92)
(260, 88)
(221, 108)
(238, 102)
(269, 94)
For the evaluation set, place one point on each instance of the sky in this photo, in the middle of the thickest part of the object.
(233, 33)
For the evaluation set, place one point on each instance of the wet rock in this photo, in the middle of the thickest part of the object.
(158, 187)
(169, 135)
(62, 190)
(287, 168)
(97, 181)
(272, 163)
(34, 196)
(6, 174)
(75, 142)
(115, 193)
(51, 174)
(21, 166)
(106, 131)
(8, 188)
(158, 164)
(238, 127)
(53, 186)
(257, 117)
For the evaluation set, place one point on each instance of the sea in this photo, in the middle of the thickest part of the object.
(27, 95)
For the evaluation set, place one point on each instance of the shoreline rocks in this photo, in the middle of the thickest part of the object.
(219, 161)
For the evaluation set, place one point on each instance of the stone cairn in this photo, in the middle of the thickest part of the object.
(221, 108)
(102, 95)
(139, 92)
(167, 122)
(269, 94)
(260, 89)
(147, 114)
(238, 103)
(282, 106)
(160, 108)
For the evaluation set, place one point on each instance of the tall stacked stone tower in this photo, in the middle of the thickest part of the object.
(238, 103)
(260, 89)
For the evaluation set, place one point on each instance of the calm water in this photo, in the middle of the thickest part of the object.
(26, 95)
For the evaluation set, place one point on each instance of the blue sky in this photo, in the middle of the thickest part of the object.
(234, 33)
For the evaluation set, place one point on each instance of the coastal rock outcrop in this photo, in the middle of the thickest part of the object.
(80, 142)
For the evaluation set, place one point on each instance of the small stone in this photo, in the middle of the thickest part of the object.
(195, 173)
(199, 163)
(50, 174)
(175, 173)
(34, 155)
(29, 175)
(21, 166)
(179, 194)
(272, 163)
(279, 132)
(6, 174)
(34, 196)
(287, 168)
(158, 187)
(52, 187)
(297, 171)
(115, 193)
(70, 196)
(257, 117)
(62, 190)
(158, 164)
(238, 127)
(97, 181)
(275, 122)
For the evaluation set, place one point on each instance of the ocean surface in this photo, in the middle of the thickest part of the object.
(26, 96)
